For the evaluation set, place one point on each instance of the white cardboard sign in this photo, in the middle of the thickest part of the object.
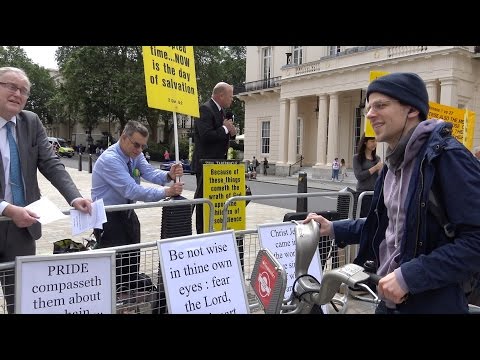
(202, 274)
(75, 283)
(280, 240)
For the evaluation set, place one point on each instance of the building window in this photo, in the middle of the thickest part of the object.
(297, 54)
(334, 50)
(267, 64)
(299, 136)
(183, 121)
(265, 137)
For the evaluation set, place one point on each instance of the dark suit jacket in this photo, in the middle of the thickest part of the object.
(36, 152)
(209, 136)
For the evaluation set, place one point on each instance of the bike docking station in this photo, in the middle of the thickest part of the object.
(287, 277)
(269, 281)
(281, 240)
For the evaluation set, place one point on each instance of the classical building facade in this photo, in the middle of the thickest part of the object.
(306, 102)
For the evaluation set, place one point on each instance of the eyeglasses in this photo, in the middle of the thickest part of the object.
(13, 88)
(379, 105)
(137, 145)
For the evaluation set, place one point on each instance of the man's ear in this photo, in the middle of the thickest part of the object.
(413, 111)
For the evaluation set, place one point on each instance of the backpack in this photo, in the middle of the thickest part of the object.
(471, 287)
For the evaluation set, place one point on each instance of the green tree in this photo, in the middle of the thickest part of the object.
(220, 63)
(108, 82)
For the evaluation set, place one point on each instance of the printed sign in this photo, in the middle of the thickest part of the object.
(463, 120)
(76, 283)
(202, 274)
(170, 79)
(280, 240)
(223, 179)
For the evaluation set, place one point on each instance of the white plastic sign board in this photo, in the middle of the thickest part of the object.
(202, 274)
(75, 283)
(280, 240)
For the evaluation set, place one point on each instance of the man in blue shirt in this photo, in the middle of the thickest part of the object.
(116, 179)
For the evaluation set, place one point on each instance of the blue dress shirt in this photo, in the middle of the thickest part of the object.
(112, 181)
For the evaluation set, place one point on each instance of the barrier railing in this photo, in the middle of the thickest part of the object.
(331, 256)
(145, 294)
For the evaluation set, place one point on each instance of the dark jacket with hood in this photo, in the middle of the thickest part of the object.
(433, 266)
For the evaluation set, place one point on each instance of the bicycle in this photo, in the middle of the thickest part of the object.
(309, 294)
(269, 278)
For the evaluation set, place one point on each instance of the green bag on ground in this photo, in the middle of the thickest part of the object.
(67, 246)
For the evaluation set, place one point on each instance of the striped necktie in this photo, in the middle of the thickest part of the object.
(16, 180)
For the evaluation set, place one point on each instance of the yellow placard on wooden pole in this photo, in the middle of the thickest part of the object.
(170, 80)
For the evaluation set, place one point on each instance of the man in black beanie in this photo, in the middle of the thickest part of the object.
(423, 230)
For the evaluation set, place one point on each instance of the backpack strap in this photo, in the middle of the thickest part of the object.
(439, 213)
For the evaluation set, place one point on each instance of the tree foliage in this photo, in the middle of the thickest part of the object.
(220, 63)
(107, 83)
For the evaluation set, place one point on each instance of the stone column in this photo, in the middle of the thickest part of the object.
(432, 90)
(282, 131)
(448, 92)
(292, 132)
(332, 152)
(322, 130)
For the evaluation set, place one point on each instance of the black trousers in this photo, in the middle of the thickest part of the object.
(199, 207)
(14, 241)
(122, 228)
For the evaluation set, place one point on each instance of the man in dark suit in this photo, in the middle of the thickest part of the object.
(23, 141)
(212, 134)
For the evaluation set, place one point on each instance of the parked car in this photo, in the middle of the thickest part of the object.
(187, 168)
(61, 147)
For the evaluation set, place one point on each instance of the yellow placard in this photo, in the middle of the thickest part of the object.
(470, 128)
(368, 127)
(463, 121)
(221, 182)
(170, 80)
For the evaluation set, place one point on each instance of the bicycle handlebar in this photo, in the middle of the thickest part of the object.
(307, 290)
(350, 274)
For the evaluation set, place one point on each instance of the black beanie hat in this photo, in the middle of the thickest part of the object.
(408, 88)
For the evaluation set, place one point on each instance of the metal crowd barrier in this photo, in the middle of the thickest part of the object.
(144, 294)
(331, 256)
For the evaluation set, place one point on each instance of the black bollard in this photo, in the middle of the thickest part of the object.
(90, 163)
(302, 203)
(79, 162)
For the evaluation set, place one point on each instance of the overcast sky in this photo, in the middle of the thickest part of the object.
(42, 55)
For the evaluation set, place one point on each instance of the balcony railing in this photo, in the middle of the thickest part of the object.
(257, 85)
